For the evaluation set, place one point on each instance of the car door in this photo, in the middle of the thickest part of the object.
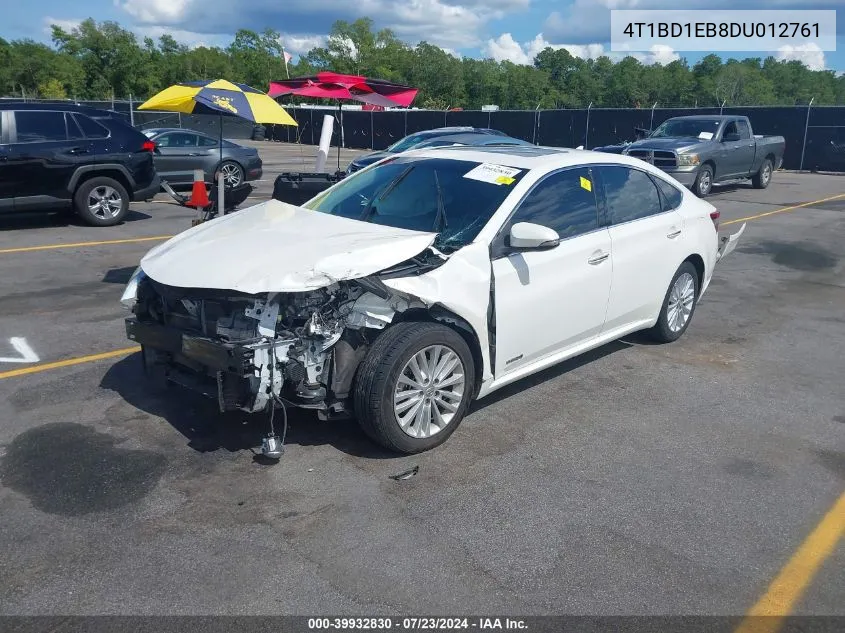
(547, 301)
(734, 158)
(647, 243)
(746, 151)
(178, 156)
(43, 156)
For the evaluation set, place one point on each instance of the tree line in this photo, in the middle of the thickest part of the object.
(101, 61)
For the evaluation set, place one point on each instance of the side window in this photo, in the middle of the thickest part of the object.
(671, 196)
(206, 141)
(90, 127)
(730, 129)
(177, 139)
(73, 131)
(630, 194)
(744, 131)
(36, 126)
(565, 202)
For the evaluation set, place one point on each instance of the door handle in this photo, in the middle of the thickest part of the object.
(673, 234)
(77, 150)
(196, 154)
(598, 259)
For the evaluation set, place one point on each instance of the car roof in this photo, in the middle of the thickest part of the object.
(162, 130)
(718, 117)
(61, 107)
(525, 157)
(477, 138)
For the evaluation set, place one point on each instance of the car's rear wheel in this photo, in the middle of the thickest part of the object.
(414, 386)
(703, 184)
(678, 305)
(233, 173)
(101, 201)
(763, 177)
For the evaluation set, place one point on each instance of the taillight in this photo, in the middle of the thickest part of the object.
(715, 217)
(148, 146)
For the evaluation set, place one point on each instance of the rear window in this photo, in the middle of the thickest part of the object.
(90, 127)
(671, 196)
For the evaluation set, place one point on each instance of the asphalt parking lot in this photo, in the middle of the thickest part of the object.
(690, 478)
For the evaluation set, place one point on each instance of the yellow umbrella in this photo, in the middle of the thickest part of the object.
(219, 97)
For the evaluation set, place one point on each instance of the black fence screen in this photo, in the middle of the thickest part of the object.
(815, 136)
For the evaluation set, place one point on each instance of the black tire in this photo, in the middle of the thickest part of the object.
(237, 169)
(703, 184)
(663, 332)
(113, 213)
(763, 177)
(378, 376)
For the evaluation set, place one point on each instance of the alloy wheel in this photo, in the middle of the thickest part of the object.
(104, 202)
(681, 299)
(429, 391)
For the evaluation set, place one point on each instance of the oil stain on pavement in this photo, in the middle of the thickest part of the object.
(793, 255)
(72, 470)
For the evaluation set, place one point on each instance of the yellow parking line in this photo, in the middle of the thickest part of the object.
(34, 369)
(47, 247)
(767, 615)
(782, 210)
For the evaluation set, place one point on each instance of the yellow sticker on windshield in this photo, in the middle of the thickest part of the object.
(586, 184)
(505, 180)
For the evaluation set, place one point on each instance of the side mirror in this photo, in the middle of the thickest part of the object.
(730, 138)
(530, 236)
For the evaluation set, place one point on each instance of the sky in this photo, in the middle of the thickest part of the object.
(514, 30)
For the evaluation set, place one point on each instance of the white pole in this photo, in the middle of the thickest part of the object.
(806, 127)
(325, 142)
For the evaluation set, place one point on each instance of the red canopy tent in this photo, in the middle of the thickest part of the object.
(330, 85)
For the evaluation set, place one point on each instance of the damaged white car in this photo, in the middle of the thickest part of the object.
(423, 282)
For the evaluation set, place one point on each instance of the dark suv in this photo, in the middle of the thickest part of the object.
(55, 155)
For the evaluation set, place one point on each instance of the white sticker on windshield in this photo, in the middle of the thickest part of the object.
(494, 174)
(705, 136)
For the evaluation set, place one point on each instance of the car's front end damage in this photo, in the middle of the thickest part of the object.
(290, 327)
(245, 350)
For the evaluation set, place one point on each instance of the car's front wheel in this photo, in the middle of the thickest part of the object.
(678, 305)
(414, 386)
(703, 184)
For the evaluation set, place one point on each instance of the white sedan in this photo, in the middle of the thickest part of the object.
(423, 282)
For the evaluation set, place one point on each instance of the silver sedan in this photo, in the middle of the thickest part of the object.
(179, 152)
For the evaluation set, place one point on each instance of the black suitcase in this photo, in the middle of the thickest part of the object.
(298, 188)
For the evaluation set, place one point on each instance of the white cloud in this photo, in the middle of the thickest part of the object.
(301, 44)
(505, 47)
(191, 39)
(66, 25)
(809, 54)
(447, 23)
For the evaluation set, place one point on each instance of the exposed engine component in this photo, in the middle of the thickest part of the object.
(299, 348)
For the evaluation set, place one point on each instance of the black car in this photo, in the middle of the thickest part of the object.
(413, 141)
(54, 155)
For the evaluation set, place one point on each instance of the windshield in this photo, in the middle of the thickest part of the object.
(404, 144)
(687, 127)
(454, 198)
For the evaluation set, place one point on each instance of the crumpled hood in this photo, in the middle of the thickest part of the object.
(278, 247)
(665, 143)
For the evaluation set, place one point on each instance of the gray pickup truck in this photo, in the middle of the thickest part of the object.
(699, 151)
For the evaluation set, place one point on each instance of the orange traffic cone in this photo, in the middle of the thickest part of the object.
(199, 194)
